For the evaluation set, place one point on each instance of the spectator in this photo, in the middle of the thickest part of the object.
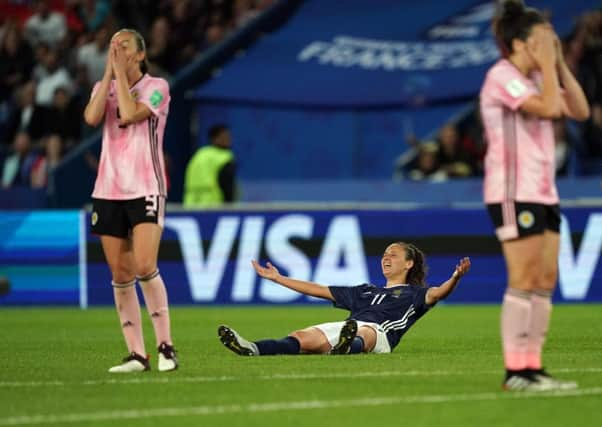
(44, 163)
(92, 56)
(58, 119)
(55, 76)
(472, 140)
(264, 4)
(16, 61)
(583, 50)
(590, 64)
(39, 70)
(243, 12)
(45, 25)
(21, 117)
(129, 16)
(94, 13)
(186, 31)
(452, 158)
(593, 133)
(17, 167)
(426, 165)
(159, 52)
(214, 34)
(211, 173)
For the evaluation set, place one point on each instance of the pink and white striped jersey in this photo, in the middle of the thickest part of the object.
(520, 159)
(131, 160)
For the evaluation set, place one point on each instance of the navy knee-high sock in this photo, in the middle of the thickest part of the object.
(357, 345)
(288, 345)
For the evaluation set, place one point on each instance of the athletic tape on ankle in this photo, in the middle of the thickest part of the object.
(148, 276)
(123, 285)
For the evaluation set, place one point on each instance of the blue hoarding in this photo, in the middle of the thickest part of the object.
(40, 257)
(205, 257)
(51, 258)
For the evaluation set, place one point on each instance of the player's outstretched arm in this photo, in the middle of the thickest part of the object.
(437, 293)
(307, 288)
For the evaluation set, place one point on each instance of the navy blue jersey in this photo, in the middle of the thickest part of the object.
(395, 309)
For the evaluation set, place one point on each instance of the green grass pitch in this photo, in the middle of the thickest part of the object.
(447, 371)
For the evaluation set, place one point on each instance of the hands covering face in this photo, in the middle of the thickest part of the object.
(118, 57)
(543, 45)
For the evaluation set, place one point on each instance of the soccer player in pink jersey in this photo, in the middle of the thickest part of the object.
(522, 94)
(129, 194)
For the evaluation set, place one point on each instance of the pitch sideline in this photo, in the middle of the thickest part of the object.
(174, 379)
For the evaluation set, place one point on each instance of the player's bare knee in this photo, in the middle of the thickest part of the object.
(302, 338)
(368, 334)
(549, 279)
(526, 280)
(146, 270)
(122, 275)
(310, 341)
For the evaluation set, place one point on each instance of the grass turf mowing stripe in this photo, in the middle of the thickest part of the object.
(164, 379)
(284, 406)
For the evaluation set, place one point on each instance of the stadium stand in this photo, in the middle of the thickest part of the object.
(49, 65)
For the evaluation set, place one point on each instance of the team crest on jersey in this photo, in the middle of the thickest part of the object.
(396, 292)
(94, 218)
(526, 219)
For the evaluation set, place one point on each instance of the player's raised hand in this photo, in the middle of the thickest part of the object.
(462, 267)
(559, 52)
(109, 67)
(118, 57)
(542, 46)
(268, 272)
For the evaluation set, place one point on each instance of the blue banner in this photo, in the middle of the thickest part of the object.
(40, 257)
(205, 257)
(51, 258)
(373, 54)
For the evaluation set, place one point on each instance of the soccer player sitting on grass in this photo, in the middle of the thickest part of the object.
(378, 316)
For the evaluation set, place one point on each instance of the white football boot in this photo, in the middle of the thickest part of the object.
(133, 363)
(167, 358)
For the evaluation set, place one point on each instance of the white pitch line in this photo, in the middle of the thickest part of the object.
(176, 379)
(30, 383)
(284, 406)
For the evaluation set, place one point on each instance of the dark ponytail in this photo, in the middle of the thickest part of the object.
(416, 274)
(514, 21)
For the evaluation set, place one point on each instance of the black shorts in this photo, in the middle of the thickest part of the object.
(118, 217)
(513, 220)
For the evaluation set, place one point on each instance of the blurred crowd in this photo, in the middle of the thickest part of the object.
(458, 148)
(53, 51)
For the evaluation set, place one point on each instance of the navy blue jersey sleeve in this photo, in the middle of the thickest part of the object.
(420, 304)
(345, 296)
